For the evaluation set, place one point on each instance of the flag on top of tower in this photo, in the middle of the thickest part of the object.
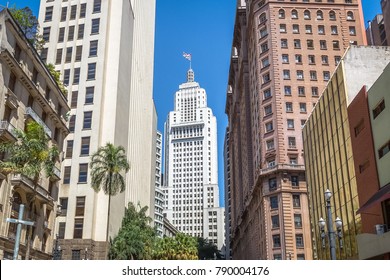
(187, 56)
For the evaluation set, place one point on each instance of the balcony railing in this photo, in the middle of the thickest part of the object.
(35, 117)
(21, 179)
(282, 166)
(5, 126)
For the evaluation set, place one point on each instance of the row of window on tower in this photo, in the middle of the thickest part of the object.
(96, 8)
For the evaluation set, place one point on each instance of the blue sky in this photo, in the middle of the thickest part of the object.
(203, 28)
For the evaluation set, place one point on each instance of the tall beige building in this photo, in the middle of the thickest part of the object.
(283, 55)
(104, 52)
(28, 93)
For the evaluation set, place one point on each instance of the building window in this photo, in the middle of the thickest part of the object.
(302, 107)
(298, 59)
(287, 90)
(83, 172)
(276, 240)
(89, 95)
(314, 91)
(61, 34)
(80, 205)
(308, 29)
(379, 108)
(64, 12)
(72, 122)
(265, 62)
(277, 257)
(59, 56)
(290, 123)
(264, 47)
(46, 34)
(324, 59)
(68, 56)
(71, 33)
(268, 110)
(350, 15)
(93, 47)
(286, 74)
(313, 75)
(312, 59)
(85, 142)
(299, 240)
(80, 33)
(263, 32)
(300, 257)
(44, 54)
(384, 150)
(297, 43)
(69, 149)
(67, 174)
(49, 13)
(292, 144)
(289, 107)
(269, 127)
(76, 76)
(298, 220)
(66, 77)
(78, 231)
(266, 78)
(73, 11)
(285, 58)
(301, 91)
(326, 75)
(95, 26)
(306, 14)
(336, 45)
(274, 202)
(79, 51)
(283, 43)
(294, 14)
(320, 15)
(267, 93)
(270, 144)
(352, 30)
(83, 9)
(91, 71)
(262, 18)
(296, 200)
(272, 185)
(87, 123)
(295, 181)
(282, 13)
(300, 75)
(334, 30)
(359, 128)
(275, 221)
(97, 4)
(295, 28)
(61, 229)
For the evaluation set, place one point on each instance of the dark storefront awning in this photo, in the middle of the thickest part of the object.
(378, 197)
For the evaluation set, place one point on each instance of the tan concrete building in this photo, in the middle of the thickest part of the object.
(28, 93)
(328, 148)
(104, 51)
(283, 55)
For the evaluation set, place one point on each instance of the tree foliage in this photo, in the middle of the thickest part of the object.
(207, 250)
(108, 165)
(135, 238)
(180, 247)
(57, 77)
(31, 154)
(29, 25)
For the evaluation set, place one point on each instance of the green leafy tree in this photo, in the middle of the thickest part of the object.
(30, 156)
(29, 25)
(180, 247)
(135, 237)
(56, 75)
(207, 250)
(108, 167)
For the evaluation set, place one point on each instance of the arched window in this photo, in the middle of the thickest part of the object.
(320, 15)
(350, 15)
(16, 201)
(332, 15)
(282, 13)
(306, 14)
(263, 18)
(294, 14)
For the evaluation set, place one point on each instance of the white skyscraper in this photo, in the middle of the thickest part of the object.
(191, 165)
(104, 51)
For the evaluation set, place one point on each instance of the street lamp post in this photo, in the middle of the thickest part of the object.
(331, 234)
(57, 252)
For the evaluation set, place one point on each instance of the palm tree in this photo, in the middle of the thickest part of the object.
(108, 164)
(30, 156)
